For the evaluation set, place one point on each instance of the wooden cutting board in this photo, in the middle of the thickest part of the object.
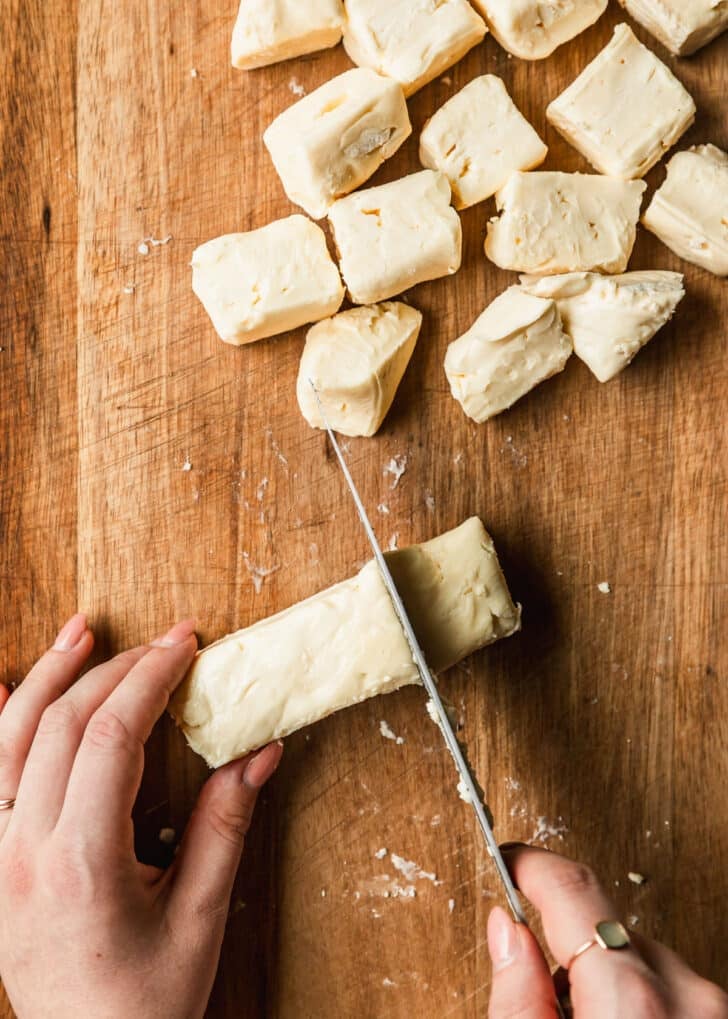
(147, 468)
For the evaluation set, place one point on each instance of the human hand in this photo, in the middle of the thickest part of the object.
(643, 981)
(85, 929)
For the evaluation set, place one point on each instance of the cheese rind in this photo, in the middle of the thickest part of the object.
(330, 142)
(625, 110)
(356, 361)
(267, 31)
(552, 222)
(258, 284)
(396, 235)
(344, 645)
(610, 318)
(683, 26)
(532, 29)
(411, 41)
(515, 344)
(477, 139)
(689, 213)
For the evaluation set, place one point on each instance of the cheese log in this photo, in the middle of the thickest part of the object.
(689, 213)
(532, 29)
(356, 360)
(610, 318)
(625, 110)
(411, 41)
(344, 645)
(264, 282)
(267, 31)
(683, 26)
(477, 139)
(554, 222)
(515, 344)
(332, 141)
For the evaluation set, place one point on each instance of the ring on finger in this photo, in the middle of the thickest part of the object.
(609, 935)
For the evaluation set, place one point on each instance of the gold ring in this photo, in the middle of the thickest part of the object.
(609, 935)
(7, 804)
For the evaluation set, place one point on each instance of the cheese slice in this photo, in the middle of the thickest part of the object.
(683, 26)
(332, 141)
(267, 31)
(344, 645)
(610, 318)
(411, 41)
(532, 29)
(625, 110)
(516, 343)
(396, 235)
(477, 139)
(356, 360)
(264, 282)
(689, 213)
(555, 222)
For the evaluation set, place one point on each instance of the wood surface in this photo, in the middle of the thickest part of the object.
(604, 721)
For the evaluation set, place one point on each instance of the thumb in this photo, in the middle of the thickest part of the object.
(522, 984)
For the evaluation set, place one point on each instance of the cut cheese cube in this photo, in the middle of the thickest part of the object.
(264, 282)
(411, 41)
(396, 235)
(683, 26)
(689, 213)
(516, 343)
(267, 31)
(344, 645)
(532, 29)
(555, 222)
(477, 139)
(356, 360)
(329, 143)
(625, 110)
(610, 318)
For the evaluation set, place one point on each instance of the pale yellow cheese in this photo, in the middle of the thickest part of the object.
(532, 29)
(683, 26)
(477, 139)
(625, 110)
(555, 222)
(264, 282)
(267, 31)
(411, 41)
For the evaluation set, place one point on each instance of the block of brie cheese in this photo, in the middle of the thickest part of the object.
(356, 360)
(516, 343)
(610, 318)
(689, 213)
(396, 235)
(683, 26)
(532, 29)
(334, 139)
(345, 644)
(477, 139)
(411, 41)
(267, 281)
(553, 222)
(267, 31)
(625, 110)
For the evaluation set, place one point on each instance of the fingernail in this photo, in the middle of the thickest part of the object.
(262, 766)
(70, 635)
(507, 847)
(503, 940)
(179, 633)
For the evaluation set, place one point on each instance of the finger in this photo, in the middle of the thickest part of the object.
(690, 994)
(522, 985)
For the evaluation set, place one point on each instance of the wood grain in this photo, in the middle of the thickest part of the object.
(605, 720)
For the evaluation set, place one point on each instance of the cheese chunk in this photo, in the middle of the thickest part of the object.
(532, 29)
(264, 282)
(411, 41)
(396, 235)
(329, 143)
(267, 31)
(683, 26)
(689, 213)
(610, 318)
(625, 110)
(356, 360)
(555, 222)
(477, 139)
(345, 644)
(516, 343)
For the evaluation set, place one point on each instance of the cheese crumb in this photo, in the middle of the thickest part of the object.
(450, 905)
(383, 509)
(463, 792)
(635, 878)
(187, 466)
(194, 73)
(388, 983)
(396, 467)
(296, 87)
(385, 730)
(380, 853)
(143, 248)
(167, 836)
(412, 871)
(129, 288)
(604, 587)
